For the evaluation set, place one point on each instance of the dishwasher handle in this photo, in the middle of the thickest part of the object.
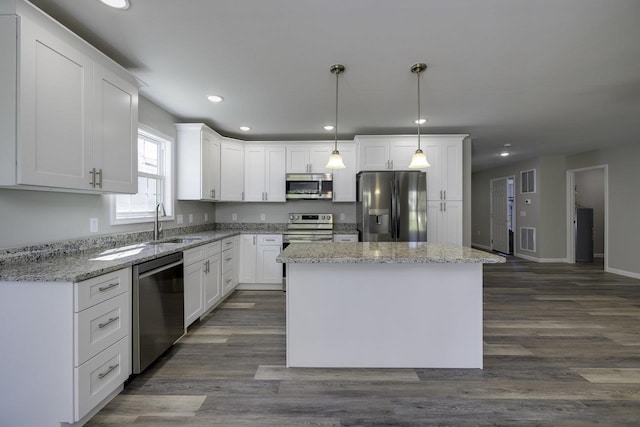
(159, 269)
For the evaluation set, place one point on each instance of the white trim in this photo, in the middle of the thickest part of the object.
(562, 260)
(527, 257)
(260, 287)
(478, 245)
(541, 260)
(622, 272)
(598, 255)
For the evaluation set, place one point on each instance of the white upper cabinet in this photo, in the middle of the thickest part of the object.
(308, 158)
(198, 150)
(264, 172)
(231, 170)
(76, 112)
(385, 152)
(444, 176)
(344, 180)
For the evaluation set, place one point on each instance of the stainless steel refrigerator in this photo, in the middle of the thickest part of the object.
(391, 206)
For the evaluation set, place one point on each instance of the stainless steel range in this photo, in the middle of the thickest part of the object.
(306, 228)
(303, 228)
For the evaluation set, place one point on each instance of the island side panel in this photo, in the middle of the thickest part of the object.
(384, 315)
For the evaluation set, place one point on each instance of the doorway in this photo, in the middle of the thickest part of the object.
(502, 219)
(587, 193)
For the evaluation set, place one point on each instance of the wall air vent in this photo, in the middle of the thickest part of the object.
(528, 181)
(528, 239)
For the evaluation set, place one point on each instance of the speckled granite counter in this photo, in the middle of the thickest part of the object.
(384, 252)
(82, 265)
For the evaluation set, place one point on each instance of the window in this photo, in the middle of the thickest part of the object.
(528, 181)
(155, 183)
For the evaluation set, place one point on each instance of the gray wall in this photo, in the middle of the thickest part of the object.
(590, 194)
(624, 201)
(278, 212)
(552, 194)
(526, 215)
(31, 217)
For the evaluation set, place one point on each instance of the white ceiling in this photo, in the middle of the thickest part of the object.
(546, 76)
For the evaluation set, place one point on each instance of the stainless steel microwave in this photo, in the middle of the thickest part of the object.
(309, 186)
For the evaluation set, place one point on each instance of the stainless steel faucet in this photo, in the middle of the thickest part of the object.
(157, 225)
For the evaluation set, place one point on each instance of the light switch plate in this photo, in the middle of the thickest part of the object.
(263, 217)
(234, 217)
(206, 217)
(342, 216)
(180, 219)
(523, 213)
(190, 218)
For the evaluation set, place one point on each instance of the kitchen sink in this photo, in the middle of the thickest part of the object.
(175, 240)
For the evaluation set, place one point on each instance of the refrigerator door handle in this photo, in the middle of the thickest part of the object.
(397, 216)
(392, 220)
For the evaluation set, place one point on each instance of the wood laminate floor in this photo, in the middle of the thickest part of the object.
(562, 348)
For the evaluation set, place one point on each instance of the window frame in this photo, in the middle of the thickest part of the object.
(168, 190)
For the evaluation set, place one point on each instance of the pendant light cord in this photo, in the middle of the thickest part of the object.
(336, 128)
(418, 75)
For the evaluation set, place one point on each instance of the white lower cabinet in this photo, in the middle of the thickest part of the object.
(71, 355)
(258, 266)
(202, 281)
(229, 260)
(444, 222)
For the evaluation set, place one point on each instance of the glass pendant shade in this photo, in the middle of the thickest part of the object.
(335, 161)
(419, 160)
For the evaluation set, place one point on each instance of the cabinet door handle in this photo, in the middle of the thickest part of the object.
(440, 194)
(93, 177)
(108, 371)
(266, 195)
(108, 322)
(99, 173)
(391, 164)
(228, 243)
(109, 286)
(214, 193)
(254, 240)
(440, 206)
(445, 194)
(269, 240)
(243, 195)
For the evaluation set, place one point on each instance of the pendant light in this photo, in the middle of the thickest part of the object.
(335, 159)
(419, 160)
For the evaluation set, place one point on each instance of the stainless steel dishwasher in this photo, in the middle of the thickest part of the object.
(158, 308)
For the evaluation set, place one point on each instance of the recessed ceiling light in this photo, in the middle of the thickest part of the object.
(328, 127)
(421, 121)
(215, 98)
(507, 145)
(118, 4)
(504, 153)
(245, 128)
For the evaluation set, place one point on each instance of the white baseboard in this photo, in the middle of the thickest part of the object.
(260, 287)
(541, 260)
(479, 246)
(622, 272)
(598, 255)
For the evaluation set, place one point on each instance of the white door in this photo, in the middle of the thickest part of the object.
(212, 281)
(254, 173)
(115, 132)
(374, 155)
(344, 180)
(433, 151)
(193, 284)
(499, 216)
(207, 157)
(434, 218)
(452, 174)
(274, 168)
(451, 223)
(231, 171)
(318, 158)
(297, 159)
(247, 258)
(55, 126)
(268, 270)
(400, 153)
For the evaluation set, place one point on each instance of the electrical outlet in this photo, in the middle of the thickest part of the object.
(234, 217)
(263, 217)
(342, 216)
(206, 217)
(93, 225)
(180, 219)
(190, 218)
(523, 213)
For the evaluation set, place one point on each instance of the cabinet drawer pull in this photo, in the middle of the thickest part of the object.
(109, 286)
(228, 280)
(108, 322)
(228, 243)
(93, 177)
(269, 240)
(228, 259)
(111, 368)
(99, 172)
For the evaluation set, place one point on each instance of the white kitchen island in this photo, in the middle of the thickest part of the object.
(384, 305)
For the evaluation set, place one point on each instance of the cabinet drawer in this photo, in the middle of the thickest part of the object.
(345, 237)
(227, 282)
(270, 239)
(98, 377)
(228, 243)
(227, 260)
(212, 249)
(193, 255)
(100, 326)
(94, 291)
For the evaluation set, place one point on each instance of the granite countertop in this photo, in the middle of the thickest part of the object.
(384, 252)
(75, 267)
